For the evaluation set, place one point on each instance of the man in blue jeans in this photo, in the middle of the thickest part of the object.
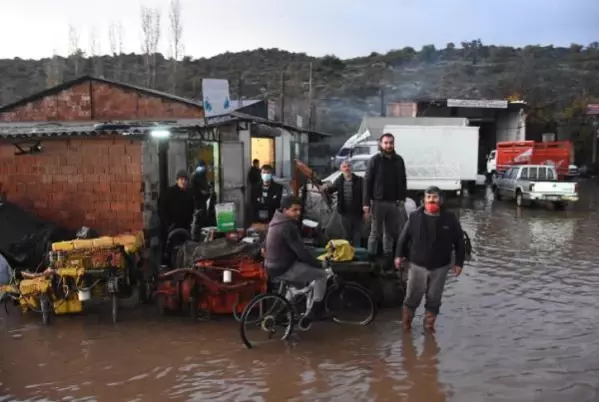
(428, 241)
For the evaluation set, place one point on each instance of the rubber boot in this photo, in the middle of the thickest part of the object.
(429, 322)
(407, 316)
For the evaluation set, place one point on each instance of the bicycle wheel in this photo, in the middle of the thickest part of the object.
(350, 303)
(268, 314)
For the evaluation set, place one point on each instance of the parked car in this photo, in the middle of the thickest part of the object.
(534, 183)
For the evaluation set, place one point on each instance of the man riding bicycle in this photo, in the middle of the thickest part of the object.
(288, 259)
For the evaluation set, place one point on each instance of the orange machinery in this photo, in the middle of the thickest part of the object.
(556, 153)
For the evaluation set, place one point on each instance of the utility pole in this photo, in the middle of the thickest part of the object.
(239, 92)
(383, 109)
(310, 100)
(283, 95)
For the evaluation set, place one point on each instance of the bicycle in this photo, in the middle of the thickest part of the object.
(283, 308)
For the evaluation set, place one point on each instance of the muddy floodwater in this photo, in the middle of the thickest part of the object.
(521, 324)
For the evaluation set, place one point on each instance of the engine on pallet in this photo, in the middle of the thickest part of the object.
(219, 277)
(78, 271)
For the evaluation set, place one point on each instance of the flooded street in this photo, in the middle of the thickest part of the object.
(521, 324)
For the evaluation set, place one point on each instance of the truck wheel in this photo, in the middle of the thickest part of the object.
(519, 199)
(559, 205)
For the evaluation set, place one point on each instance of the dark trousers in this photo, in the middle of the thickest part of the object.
(384, 224)
(352, 225)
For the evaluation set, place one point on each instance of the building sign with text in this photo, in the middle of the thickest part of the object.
(475, 103)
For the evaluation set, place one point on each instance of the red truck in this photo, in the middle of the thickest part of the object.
(556, 153)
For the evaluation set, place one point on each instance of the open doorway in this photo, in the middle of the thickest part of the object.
(263, 149)
(209, 153)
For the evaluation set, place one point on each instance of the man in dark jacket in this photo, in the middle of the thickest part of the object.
(286, 256)
(264, 198)
(254, 173)
(428, 241)
(200, 189)
(349, 202)
(176, 205)
(385, 188)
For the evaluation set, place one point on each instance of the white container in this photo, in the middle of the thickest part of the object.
(227, 276)
(84, 295)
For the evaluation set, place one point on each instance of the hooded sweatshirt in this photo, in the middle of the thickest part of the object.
(284, 246)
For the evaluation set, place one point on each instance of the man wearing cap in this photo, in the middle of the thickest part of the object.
(287, 257)
(385, 190)
(428, 241)
(177, 204)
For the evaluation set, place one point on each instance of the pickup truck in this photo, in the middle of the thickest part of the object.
(534, 183)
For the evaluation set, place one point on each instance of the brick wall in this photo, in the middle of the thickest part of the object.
(76, 182)
(95, 100)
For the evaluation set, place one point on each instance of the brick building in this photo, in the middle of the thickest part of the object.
(85, 173)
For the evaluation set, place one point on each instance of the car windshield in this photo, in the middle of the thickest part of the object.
(359, 165)
(343, 152)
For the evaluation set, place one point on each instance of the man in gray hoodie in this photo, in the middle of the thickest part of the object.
(286, 256)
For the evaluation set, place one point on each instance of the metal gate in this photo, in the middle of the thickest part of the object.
(233, 177)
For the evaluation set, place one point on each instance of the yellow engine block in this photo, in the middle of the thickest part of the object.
(31, 290)
(132, 243)
(70, 305)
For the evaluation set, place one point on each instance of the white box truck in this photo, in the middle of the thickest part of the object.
(442, 156)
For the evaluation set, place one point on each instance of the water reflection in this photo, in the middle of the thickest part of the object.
(520, 324)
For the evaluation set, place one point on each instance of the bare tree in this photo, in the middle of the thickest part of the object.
(176, 44)
(95, 53)
(115, 40)
(150, 27)
(53, 68)
(75, 52)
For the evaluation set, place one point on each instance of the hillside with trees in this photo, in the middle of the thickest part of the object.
(557, 82)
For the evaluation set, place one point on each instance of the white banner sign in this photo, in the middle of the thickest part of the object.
(215, 94)
(486, 104)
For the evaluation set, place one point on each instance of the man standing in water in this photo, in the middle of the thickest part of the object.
(428, 240)
(385, 188)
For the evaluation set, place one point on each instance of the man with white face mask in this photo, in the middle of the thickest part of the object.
(264, 198)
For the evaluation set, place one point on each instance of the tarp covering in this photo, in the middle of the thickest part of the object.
(24, 238)
(222, 248)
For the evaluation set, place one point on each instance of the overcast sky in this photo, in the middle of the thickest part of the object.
(347, 28)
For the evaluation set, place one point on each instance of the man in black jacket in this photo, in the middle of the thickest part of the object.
(254, 173)
(200, 189)
(385, 188)
(428, 241)
(349, 202)
(286, 256)
(176, 205)
(264, 198)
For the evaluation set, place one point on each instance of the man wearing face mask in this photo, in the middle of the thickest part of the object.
(427, 241)
(385, 189)
(200, 189)
(264, 198)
